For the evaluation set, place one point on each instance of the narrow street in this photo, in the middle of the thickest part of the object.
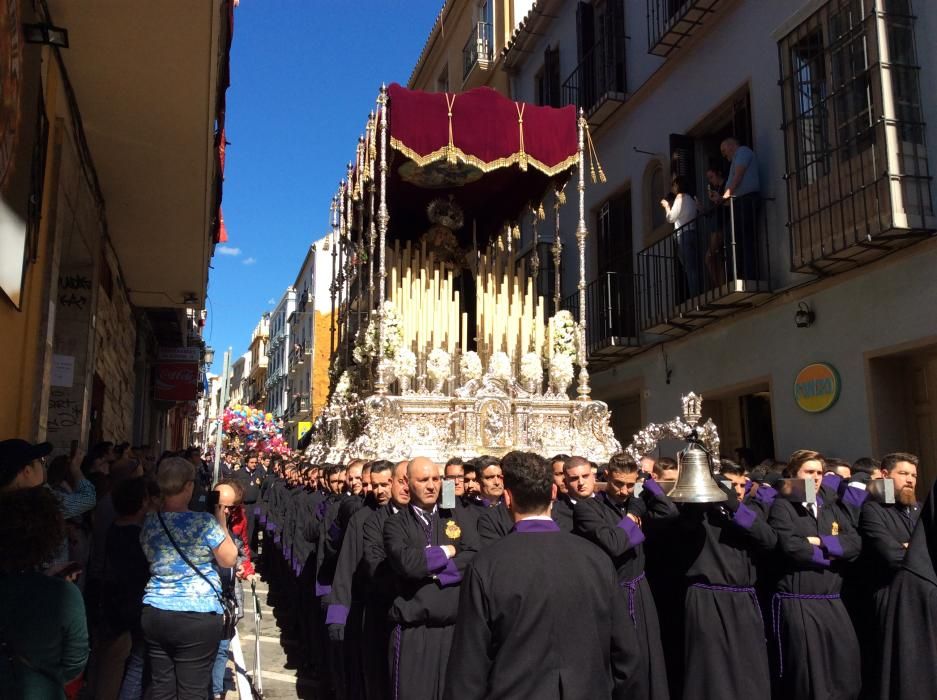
(279, 675)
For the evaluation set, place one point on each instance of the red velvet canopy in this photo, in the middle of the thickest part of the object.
(486, 130)
(494, 156)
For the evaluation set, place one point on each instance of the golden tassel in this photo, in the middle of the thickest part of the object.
(516, 232)
(594, 158)
(561, 196)
(522, 157)
(450, 148)
(541, 214)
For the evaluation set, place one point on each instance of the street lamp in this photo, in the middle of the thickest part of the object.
(209, 355)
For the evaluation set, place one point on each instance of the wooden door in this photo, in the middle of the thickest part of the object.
(922, 424)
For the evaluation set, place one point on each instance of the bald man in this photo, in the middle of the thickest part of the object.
(428, 548)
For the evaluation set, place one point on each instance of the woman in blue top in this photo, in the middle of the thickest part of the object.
(182, 617)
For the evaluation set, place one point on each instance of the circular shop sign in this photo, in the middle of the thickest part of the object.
(816, 387)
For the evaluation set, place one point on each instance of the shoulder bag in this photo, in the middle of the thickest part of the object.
(229, 604)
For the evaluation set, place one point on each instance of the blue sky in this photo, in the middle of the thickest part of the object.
(304, 75)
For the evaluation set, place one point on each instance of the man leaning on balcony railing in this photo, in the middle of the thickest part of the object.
(743, 192)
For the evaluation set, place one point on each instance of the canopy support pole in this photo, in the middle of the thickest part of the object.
(581, 233)
(382, 218)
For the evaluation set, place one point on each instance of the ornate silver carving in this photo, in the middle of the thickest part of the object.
(685, 427)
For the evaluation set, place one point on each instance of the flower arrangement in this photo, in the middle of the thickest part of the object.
(565, 334)
(531, 369)
(405, 363)
(561, 371)
(366, 347)
(437, 365)
(499, 366)
(470, 366)
(342, 387)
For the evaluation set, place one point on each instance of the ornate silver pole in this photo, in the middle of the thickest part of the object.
(581, 233)
(382, 219)
(534, 271)
(557, 250)
(333, 287)
(370, 155)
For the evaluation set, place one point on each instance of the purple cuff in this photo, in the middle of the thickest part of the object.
(766, 494)
(635, 536)
(653, 487)
(831, 481)
(831, 545)
(436, 559)
(854, 497)
(336, 615)
(322, 589)
(818, 557)
(745, 517)
(256, 510)
(450, 575)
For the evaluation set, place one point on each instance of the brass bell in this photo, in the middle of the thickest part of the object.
(695, 482)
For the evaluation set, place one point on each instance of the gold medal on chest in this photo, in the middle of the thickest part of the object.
(835, 528)
(453, 532)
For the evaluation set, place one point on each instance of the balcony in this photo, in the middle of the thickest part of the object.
(671, 22)
(611, 318)
(712, 267)
(478, 51)
(597, 84)
(857, 172)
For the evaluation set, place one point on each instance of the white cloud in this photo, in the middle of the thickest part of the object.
(271, 301)
(227, 250)
(248, 261)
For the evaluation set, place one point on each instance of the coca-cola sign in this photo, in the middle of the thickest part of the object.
(176, 381)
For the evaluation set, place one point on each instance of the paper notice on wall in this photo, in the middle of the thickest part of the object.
(63, 370)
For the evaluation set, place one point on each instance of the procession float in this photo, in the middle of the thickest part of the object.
(449, 336)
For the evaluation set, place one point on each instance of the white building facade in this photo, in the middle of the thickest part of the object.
(278, 354)
(805, 314)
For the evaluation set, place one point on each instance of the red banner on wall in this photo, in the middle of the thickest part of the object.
(176, 381)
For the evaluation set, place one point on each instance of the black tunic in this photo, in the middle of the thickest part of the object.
(818, 652)
(605, 523)
(528, 630)
(376, 632)
(497, 522)
(909, 659)
(562, 513)
(427, 584)
(723, 628)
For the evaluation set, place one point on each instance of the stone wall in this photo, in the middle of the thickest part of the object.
(115, 342)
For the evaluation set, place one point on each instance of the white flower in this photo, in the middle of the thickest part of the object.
(561, 370)
(565, 334)
(471, 366)
(405, 363)
(437, 365)
(342, 387)
(499, 366)
(531, 369)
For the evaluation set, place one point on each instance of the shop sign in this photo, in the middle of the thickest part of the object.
(816, 387)
(176, 381)
(192, 353)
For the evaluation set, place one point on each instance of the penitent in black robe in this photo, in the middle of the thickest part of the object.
(427, 584)
(345, 611)
(817, 648)
(376, 629)
(605, 523)
(725, 653)
(909, 658)
(528, 629)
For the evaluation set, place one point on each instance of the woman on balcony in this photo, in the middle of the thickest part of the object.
(682, 214)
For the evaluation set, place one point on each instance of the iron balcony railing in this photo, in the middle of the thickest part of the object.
(611, 312)
(707, 268)
(671, 22)
(600, 74)
(478, 48)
